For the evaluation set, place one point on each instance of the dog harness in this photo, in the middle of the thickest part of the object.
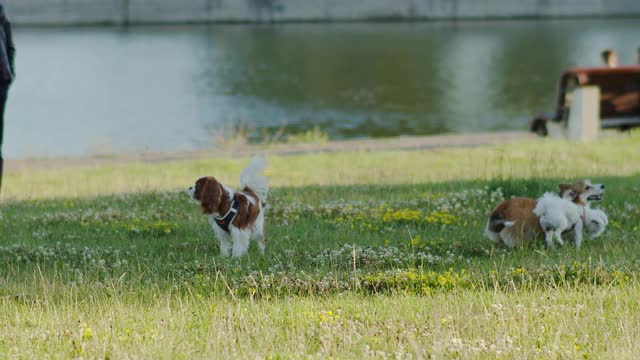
(227, 219)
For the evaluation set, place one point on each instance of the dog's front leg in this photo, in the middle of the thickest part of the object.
(558, 236)
(225, 246)
(548, 237)
(224, 239)
(240, 241)
(578, 234)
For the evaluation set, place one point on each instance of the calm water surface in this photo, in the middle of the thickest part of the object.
(107, 90)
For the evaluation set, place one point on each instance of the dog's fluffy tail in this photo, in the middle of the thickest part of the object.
(496, 223)
(494, 227)
(252, 177)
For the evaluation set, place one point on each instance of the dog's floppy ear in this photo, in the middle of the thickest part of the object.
(563, 188)
(211, 195)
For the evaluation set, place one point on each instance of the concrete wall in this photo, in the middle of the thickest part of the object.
(168, 11)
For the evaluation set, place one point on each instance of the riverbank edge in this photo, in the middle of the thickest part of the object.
(28, 24)
(400, 143)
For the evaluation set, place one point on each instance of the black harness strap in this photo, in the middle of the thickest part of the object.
(225, 221)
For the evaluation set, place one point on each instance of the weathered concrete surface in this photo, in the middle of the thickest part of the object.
(175, 11)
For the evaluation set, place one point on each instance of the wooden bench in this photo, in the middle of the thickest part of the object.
(619, 97)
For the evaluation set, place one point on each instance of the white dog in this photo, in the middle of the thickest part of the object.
(236, 217)
(558, 215)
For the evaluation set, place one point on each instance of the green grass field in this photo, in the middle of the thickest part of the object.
(369, 254)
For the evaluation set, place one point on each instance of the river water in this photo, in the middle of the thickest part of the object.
(87, 91)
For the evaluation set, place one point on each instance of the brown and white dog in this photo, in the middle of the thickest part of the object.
(236, 217)
(514, 224)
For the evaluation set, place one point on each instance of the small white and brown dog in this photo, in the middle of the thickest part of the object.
(236, 217)
(514, 224)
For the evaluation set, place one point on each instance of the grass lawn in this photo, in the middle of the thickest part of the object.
(369, 254)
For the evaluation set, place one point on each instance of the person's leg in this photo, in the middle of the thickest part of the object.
(3, 101)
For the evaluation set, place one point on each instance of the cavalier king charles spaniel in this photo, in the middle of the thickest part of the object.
(236, 217)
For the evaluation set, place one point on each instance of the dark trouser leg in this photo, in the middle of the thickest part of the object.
(4, 88)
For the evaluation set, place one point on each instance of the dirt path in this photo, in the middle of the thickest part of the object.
(397, 143)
